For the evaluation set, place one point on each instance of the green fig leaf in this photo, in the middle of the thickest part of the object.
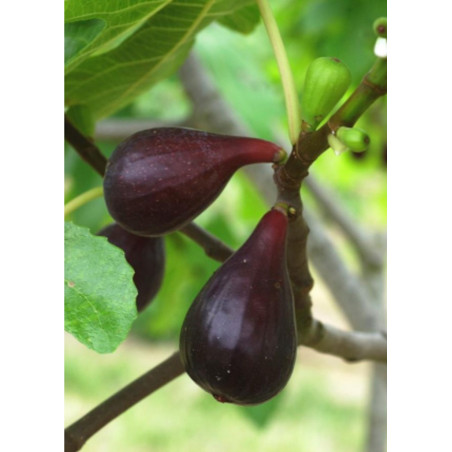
(99, 293)
(244, 20)
(98, 26)
(111, 80)
(78, 36)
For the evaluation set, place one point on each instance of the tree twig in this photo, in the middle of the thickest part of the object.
(377, 418)
(350, 345)
(87, 150)
(79, 432)
(213, 246)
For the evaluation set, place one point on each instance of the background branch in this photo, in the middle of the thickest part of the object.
(213, 246)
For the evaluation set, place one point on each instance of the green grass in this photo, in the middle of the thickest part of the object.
(315, 412)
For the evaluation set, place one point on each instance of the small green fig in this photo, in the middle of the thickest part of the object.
(326, 81)
(353, 138)
(380, 27)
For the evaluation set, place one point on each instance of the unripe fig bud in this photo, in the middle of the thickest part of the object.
(353, 138)
(325, 83)
(380, 27)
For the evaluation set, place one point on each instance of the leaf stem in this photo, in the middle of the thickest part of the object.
(82, 199)
(288, 84)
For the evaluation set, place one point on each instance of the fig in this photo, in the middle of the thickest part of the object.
(146, 255)
(380, 27)
(238, 340)
(326, 81)
(354, 138)
(158, 180)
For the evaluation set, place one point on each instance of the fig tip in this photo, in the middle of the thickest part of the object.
(279, 156)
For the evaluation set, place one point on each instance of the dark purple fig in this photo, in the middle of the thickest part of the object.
(238, 340)
(158, 180)
(146, 255)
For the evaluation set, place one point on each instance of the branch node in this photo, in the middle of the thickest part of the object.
(380, 90)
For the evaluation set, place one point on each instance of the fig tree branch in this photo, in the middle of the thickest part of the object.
(87, 150)
(377, 419)
(297, 261)
(80, 431)
(350, 345)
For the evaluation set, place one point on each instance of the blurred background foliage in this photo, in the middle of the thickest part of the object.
(246, 74)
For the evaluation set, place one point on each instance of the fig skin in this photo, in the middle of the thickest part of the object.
(158, 180)
(146, 255)
(239, 340)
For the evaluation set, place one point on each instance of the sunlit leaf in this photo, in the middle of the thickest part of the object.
(94, 26)
(107, 82)
(99, 295)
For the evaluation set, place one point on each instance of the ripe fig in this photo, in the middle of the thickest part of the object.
(158, 180)
(146, 255)
(239, 340)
